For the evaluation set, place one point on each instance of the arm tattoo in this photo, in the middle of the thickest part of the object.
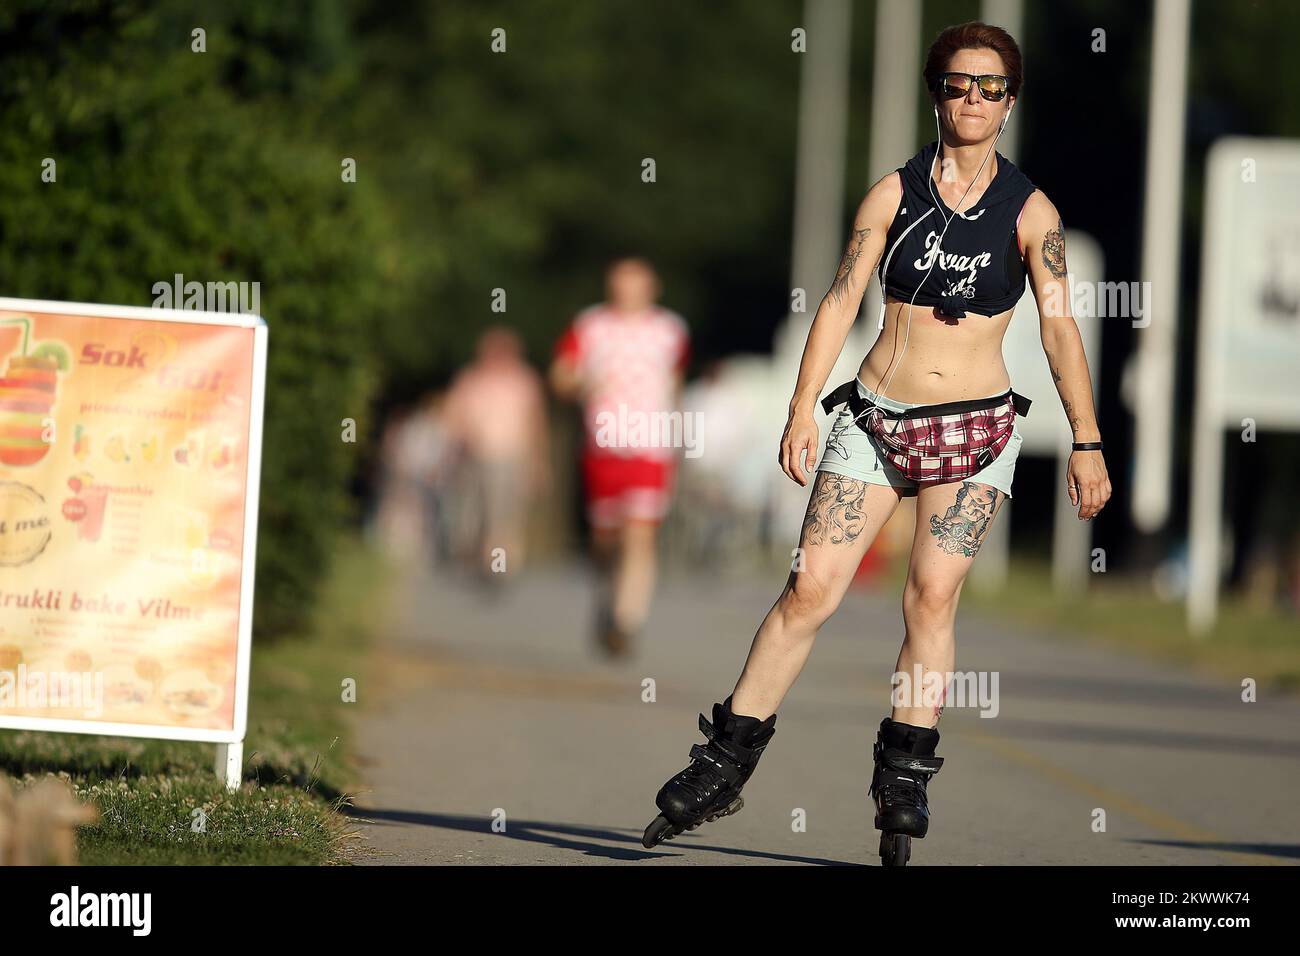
(1056, 372)
(852, 252)
(1054, 251)
(963, 526)
(1075, 420)
(835, 514)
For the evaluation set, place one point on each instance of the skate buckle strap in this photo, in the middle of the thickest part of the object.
(726, 768)
(908, 762)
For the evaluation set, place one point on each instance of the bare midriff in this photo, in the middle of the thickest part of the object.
(946, 360)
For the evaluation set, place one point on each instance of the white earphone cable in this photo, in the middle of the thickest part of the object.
(939, 243)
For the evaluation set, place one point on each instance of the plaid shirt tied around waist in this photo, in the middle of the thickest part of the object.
(936, 443)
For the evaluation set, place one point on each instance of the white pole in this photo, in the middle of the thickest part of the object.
(1162, 219)
(1010, 16)
(820, 162)
(992, 570)
(1071, 538)
(819, 231)
(1205, 526)
(230, 764)
(895, 84)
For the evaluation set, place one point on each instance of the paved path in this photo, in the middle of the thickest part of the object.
(497, 706)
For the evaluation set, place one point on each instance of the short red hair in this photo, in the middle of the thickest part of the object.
(974, 36)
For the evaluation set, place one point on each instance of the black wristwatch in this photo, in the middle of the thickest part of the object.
(1086, 446)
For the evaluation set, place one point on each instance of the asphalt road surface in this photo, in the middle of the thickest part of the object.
(492, 734)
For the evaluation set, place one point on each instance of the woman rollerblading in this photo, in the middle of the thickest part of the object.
(956, 231)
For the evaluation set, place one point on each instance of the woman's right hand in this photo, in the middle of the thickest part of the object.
(800, 436)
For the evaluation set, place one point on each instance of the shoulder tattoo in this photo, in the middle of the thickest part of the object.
(1054, 251)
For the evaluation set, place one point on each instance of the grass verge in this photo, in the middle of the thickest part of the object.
(1246, 641)
(151, 793)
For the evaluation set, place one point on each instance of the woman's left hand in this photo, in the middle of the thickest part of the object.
(1087, 483)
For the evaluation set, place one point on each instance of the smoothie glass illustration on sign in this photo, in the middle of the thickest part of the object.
(86, 506)
(28, 389)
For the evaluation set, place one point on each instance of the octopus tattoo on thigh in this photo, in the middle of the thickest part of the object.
(963, 526)
(835, 510)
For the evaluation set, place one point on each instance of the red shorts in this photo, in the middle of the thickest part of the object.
(620, 489)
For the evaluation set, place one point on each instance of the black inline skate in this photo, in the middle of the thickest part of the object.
(905, 762)
(710, 787)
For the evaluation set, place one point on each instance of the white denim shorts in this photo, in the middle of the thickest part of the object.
(851, 452)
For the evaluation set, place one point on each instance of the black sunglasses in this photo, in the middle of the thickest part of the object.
(992, 86)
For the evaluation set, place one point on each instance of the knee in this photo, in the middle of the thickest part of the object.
(808, 599)
(929, 602)
(640, 534)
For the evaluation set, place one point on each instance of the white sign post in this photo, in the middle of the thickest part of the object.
(1045, 429)
(1248, 352)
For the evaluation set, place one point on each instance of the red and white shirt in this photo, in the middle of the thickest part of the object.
(629, 364)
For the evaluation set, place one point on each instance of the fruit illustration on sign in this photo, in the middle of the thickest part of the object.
(191, 453)
(159, 347)
(115, 449)
(53, 350)
(221, 456)
(80, 444)
(28, 389)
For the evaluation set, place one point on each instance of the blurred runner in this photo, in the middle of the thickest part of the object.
(432, 455)
(496, 412)
(401, 518)
(623, 359)
(416, 460)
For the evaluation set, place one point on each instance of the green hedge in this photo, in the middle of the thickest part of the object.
(167, 163)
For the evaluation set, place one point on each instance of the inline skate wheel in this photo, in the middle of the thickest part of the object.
(660, 829)
(895, 849)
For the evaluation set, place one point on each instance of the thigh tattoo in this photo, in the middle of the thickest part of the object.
(963, 526)
(835, 440)
(835, 510)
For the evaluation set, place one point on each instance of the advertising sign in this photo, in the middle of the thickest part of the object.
(130, 446)
(1248, 348)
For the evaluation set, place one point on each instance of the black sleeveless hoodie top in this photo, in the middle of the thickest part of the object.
(978, 267)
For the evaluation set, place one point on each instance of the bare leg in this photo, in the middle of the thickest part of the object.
(951, 522)
(844, 515)
(634, 578)
(604, 554)
(505, 514)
